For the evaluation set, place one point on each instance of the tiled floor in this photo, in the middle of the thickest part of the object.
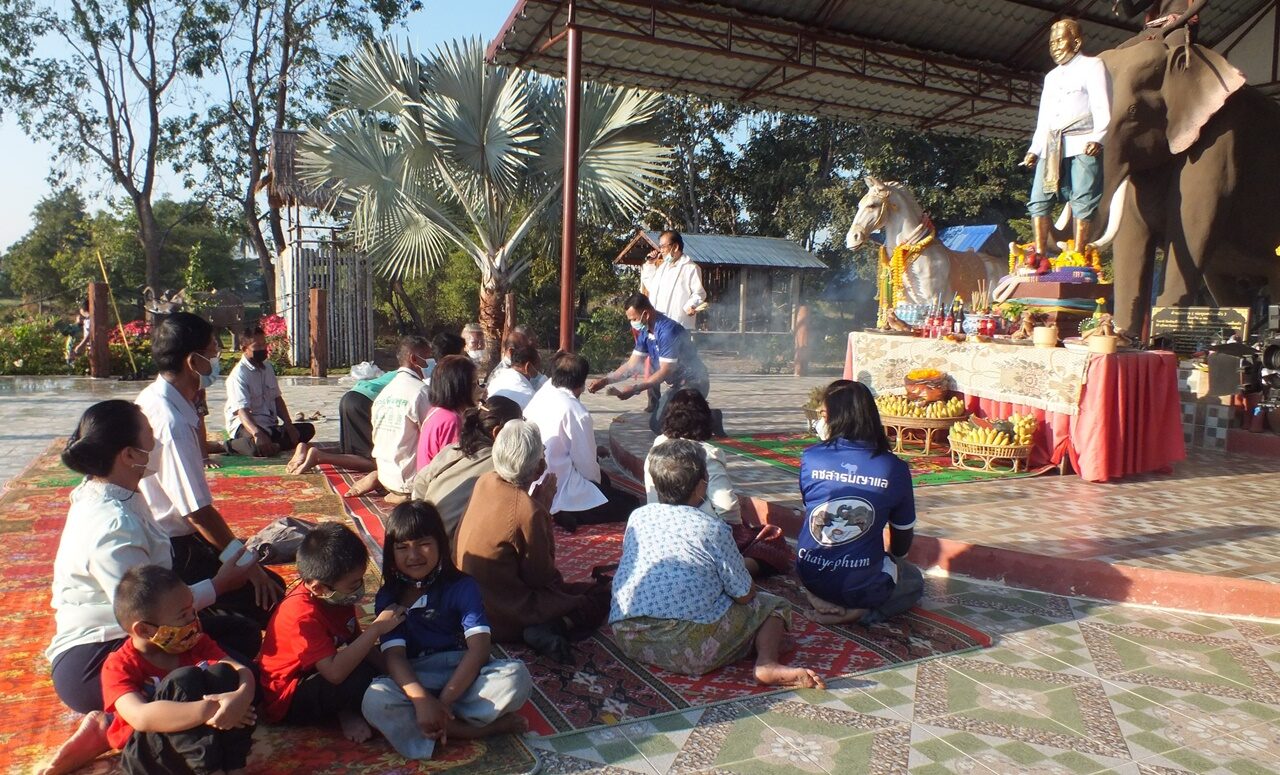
(1212, 515)
(1071, 686)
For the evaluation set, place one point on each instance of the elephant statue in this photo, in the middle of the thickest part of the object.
(1191, 168)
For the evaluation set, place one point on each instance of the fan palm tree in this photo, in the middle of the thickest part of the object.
(434, 155)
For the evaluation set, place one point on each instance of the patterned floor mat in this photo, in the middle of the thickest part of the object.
(602, 686)
(32, 513)
(783, 450)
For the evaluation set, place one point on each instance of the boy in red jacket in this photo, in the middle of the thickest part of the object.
(180, 704)
(316, 662)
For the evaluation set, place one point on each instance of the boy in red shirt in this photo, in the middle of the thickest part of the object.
(316, 663)
(180, 704)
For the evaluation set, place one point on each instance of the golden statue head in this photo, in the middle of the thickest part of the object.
(1065, 40)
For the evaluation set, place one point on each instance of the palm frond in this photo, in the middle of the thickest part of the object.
(478, 115)
(377, 77)
(354, 155)
(621, 161)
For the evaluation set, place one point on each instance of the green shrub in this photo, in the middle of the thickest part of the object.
(33, 344)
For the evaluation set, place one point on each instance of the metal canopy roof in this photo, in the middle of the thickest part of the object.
(726, 250)
(969, 66)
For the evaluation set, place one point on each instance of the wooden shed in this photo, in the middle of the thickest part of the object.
(754, 284)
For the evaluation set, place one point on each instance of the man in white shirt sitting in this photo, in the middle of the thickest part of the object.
(186, 352)
(584, 494)
(398, 413)
(1066, 150)
(257, 418)
(520, 380)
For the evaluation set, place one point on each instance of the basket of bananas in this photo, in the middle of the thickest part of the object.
(904, 418)
(985, 445)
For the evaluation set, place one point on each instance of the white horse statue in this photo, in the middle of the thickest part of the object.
(929, 269)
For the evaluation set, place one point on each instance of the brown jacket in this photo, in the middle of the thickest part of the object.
(505, 543)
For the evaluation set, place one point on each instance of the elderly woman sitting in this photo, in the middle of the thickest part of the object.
(451, 476)
(763, 547)
(682, 598)
(505, 543)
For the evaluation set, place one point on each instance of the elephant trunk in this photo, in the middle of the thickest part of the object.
(1115, 213)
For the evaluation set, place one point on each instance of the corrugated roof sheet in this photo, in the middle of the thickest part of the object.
(960, 65)
(727, 250)
(964, 238)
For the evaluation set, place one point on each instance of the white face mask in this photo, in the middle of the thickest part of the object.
(475, 355)
(820, 428)
(152, 466)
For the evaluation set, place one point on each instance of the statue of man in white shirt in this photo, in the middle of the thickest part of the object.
(1066, 150)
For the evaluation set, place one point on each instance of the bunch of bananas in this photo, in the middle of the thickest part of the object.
(969, 433)
(901, 406)
(1018, 430)
(1024, 427)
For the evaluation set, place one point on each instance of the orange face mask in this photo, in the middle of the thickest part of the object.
(176, 640)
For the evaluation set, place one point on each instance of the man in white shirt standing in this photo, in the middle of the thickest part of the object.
(677, 290)
(257, 418)
(584, 494)
(397, 415)
(674, 289)
(186, 352)
(1066, 150)
(520, 379)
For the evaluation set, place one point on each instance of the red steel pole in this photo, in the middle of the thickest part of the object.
(569, 229)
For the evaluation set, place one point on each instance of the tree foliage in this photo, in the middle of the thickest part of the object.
(100, 81)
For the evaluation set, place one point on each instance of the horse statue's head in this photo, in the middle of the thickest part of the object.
(887, 206)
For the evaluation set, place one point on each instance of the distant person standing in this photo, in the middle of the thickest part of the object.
(677, 288)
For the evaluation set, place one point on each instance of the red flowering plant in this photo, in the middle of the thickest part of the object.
(277, 333)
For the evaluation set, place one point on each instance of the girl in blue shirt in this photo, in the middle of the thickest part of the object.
(853, 486)
(441, 682)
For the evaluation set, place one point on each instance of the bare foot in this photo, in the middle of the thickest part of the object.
(822, 607)
(366, 484)
(780, 675)
(310, 462)
(87, 743)
(847, 616)
(512, 723)
(354, 727)
(396, 498)
(299, 457)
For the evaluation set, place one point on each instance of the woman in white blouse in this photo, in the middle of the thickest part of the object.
(108, 531)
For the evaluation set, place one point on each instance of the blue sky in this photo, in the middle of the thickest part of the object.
(27, 163)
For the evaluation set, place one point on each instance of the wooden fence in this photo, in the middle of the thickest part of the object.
(347, 277)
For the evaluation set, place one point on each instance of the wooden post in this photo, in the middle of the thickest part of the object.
(319, 335)
(99, 353)
(795, 298)
(742, 300)
(802, 340)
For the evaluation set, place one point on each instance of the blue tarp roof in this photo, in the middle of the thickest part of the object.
(964, 238)
(726, 250)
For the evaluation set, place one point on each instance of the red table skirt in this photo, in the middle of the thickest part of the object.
(1130, 419)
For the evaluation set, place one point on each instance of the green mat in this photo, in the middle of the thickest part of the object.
(783, 450)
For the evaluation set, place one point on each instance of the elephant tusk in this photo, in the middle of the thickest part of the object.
(1115, 214)
(1063, 219)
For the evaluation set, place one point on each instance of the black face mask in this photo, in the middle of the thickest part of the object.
(258, 357)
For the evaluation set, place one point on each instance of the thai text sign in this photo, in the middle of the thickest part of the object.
(1192, 329)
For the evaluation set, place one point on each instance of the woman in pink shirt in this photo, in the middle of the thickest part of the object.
(452, 392)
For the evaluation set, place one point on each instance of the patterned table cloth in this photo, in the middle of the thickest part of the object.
(1048, 379)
